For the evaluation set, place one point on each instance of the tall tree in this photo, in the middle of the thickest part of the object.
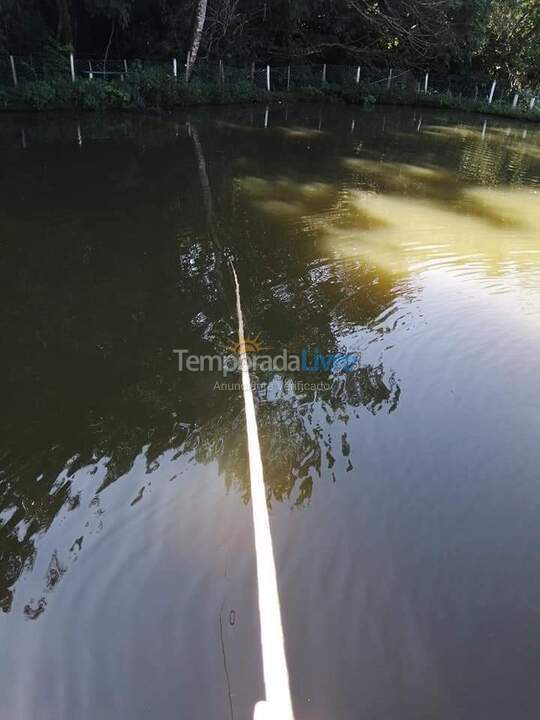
(512, 40)
(118, 12)
(200, 17)
(64, 27)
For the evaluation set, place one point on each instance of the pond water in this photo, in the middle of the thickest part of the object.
(404, 495)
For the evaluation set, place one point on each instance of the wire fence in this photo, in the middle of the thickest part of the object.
(18, 70)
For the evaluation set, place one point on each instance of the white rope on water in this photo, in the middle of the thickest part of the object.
(278, 704)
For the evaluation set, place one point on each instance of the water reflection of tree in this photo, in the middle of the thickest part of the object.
(293, 298)
(96, 298)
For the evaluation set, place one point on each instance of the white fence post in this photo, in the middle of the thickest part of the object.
(358, 74)
(125, 66)
(426, 82)
(175, 68)
(324, 73)
(288, 77)
(515, 100)
(266, 117)
(532, 103)
(72, 66)
(13, 70)
(492, 92)
(268, 78)
(389, 79)
(90, 72)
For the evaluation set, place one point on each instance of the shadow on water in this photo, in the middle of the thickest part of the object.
(111, 270)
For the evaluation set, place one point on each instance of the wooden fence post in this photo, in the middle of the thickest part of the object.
(323, 79)
(492, 92)
(268, 78)
(426, 82)
(72, 66)
(389, 82)
(288, 77)
(13, 70)
(358, 74)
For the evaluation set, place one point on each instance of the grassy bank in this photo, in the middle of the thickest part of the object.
(154, 90)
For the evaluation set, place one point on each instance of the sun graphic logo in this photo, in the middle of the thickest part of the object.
(250, 345)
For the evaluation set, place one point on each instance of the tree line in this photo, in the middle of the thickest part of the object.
(499, 37)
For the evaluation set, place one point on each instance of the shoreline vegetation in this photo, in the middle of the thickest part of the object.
(158, 92)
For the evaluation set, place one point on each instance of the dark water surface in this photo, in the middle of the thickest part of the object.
(404, 496)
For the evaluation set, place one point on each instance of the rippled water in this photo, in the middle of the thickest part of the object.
(404, 496)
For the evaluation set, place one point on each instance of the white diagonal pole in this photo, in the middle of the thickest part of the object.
(278, 703)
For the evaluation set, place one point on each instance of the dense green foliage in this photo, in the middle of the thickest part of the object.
(154, 89)
(148, 89)
(499, 37)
